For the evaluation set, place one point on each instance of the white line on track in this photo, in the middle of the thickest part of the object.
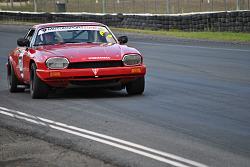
(101, 138)
(190, 46)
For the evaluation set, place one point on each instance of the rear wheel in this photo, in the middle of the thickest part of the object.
(13, 80)
(38, 89)
(136, 87)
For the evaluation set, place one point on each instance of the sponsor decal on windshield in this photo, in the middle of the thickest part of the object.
(109, 36)
(72, 28)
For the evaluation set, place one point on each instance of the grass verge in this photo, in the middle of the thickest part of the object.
(13, 22)
(216, 36)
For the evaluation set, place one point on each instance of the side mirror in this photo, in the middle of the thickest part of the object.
(23, 42)
(123, 39)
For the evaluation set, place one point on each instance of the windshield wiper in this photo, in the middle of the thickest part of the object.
(42, 44)
(70, 42)
(78, 42)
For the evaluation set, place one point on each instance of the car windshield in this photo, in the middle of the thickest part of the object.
(73, 34)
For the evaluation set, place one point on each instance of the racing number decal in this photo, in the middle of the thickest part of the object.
(20, 62)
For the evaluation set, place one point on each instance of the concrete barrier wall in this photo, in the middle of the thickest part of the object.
(236, 21)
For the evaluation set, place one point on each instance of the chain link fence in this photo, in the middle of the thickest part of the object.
(125, 6)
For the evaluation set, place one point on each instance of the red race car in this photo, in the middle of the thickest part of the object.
(87, 54)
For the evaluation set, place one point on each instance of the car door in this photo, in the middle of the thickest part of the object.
(18, 64)
(24, 57)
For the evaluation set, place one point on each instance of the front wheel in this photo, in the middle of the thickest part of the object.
(38, 89)
(136, 87)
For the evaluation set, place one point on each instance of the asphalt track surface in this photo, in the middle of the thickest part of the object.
(195, 110)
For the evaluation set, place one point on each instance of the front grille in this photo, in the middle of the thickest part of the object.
(96, 64)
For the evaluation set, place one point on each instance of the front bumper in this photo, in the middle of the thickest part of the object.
(65, 77)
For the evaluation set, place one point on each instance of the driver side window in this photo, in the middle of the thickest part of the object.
(29, 35)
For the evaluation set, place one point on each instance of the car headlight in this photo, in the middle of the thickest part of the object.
(57, 63)
(132, 60)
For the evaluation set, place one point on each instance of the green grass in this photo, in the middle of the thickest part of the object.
(217, 36)
(14, 22)
(214, 36)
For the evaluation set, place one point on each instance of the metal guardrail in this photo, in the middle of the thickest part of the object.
(126, 6)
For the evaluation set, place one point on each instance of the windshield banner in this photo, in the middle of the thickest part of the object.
(71, 28)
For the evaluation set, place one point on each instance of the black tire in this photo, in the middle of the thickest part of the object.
(13, 80)
(38, 89)
(136, 87)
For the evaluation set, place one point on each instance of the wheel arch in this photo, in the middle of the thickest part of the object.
(11, 64)
(8, 66)
(31, 62)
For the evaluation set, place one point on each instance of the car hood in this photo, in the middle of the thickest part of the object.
(86, 52)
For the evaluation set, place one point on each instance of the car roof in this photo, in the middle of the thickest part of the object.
(56, 24)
